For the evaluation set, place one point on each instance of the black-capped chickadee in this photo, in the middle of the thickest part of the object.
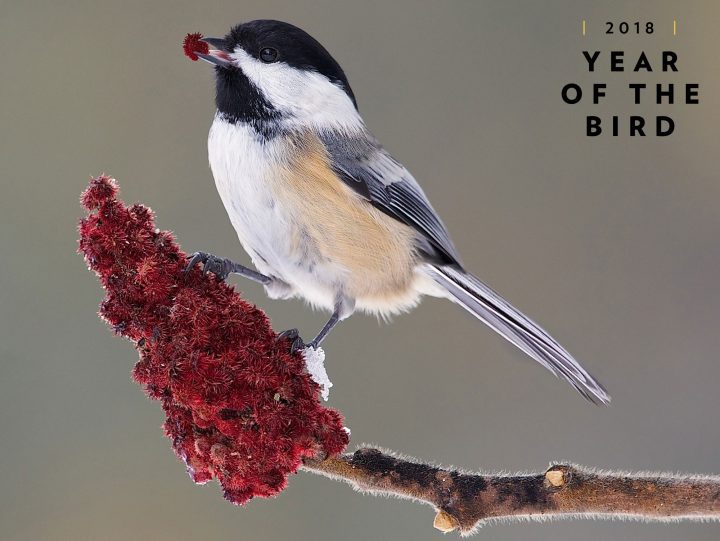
(320, 206)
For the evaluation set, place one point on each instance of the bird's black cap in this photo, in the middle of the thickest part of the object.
(296, 48)
(236, 97)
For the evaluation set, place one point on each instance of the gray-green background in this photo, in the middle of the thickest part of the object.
(612, 243)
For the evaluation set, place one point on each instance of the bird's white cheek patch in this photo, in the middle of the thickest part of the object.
(308, 98)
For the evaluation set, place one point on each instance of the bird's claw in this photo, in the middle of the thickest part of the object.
(296, 342)
(211, 263)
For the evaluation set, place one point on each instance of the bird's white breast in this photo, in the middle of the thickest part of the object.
(244, 165)
(241, 163)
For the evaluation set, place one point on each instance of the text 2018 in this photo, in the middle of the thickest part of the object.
(625, 28)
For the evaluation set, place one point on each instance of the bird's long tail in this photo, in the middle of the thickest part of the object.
(490, 308)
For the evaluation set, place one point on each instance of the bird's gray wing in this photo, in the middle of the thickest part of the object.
(364, 165)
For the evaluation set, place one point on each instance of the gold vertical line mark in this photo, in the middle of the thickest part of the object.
(583, 27)
(674, 27)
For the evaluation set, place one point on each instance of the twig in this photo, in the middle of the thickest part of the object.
(465, 501)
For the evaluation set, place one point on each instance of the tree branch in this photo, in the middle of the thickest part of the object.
(466, 501)
(240, 408)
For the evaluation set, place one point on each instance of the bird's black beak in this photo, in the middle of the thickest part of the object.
(217, 54)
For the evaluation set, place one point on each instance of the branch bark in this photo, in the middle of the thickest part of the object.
(465, 501)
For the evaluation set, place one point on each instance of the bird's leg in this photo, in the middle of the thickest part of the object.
(334, 320)
(297, 343)
(223, 267)
(343, 308)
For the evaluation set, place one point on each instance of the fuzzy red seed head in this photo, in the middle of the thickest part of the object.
(240, 408)
(101, 189)
(193, 45)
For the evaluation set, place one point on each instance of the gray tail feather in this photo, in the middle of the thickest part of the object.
(489, 307)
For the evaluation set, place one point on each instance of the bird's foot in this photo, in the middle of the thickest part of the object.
(223, 267)
(211, 263)
(296, 342)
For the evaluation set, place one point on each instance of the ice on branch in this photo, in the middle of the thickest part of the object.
(315, 362)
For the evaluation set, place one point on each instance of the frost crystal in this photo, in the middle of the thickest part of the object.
(315, 362)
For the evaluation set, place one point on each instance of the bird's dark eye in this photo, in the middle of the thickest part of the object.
(268, 55)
